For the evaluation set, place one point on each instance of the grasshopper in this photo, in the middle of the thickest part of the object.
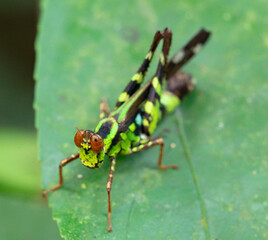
(128, 127)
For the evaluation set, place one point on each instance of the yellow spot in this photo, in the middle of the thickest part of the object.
(138, 77)
(148, 107)
(108, 185)
(149, 55)
(112, 168)
(85, 146)
(64, 161)
(111, 175)
(141, 146)
(72, 156)
(157, 85)
(150, 143)
(145, 122)
(123, 97)
(89, 164)
(134, 149)
(83, 186)
(169, 100)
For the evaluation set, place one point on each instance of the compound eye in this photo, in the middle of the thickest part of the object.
(78, 137)
(96, 143)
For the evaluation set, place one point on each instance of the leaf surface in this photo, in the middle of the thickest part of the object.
(90, 49)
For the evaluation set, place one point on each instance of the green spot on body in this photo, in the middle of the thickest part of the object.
(157, 85)
(134, 149)
(148, 107)
(141, 146)
(145, 122)
(90, 158)
(170, 101)
(132, 127)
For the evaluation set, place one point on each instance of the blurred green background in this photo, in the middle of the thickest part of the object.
(23, 212)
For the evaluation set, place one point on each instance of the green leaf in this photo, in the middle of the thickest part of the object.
(89, 49)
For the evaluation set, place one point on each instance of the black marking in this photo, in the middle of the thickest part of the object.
(153, 95)
(143, 67)
(105, 129)
(162, 109)
(188, 52)
(116, 139)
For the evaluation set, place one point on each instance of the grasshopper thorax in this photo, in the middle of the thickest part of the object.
(91, 146)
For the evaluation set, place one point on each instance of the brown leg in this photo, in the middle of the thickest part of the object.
(109, 188)
(104, 108)
(160, 165)
(151, 143)
(62, 164)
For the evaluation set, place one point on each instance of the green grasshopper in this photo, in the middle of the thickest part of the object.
(128, 128)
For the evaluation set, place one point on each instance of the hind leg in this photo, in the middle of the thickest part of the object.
(150, 143)
(187, 52)
(138, 77)
(152, 104)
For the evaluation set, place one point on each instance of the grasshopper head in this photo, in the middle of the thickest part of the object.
(91, 148)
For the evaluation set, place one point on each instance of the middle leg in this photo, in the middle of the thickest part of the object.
(150, 143)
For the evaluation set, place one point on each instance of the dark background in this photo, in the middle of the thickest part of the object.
(24, 214)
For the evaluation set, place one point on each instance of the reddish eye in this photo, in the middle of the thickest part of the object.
(78, 137)
(96, 143)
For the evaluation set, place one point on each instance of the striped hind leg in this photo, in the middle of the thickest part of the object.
(138, 77)
(152, 112)
(148, 143)
(189, 50)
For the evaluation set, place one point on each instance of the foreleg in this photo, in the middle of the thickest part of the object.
(62, 164)
(150, 143)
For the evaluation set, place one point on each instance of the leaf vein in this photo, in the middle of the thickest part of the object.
(183, 138)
